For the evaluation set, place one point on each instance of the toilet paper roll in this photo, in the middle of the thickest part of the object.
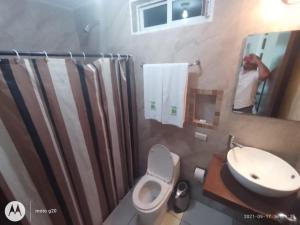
(199, 174)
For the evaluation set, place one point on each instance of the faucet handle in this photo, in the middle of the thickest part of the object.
(232, 137)
(230, 141)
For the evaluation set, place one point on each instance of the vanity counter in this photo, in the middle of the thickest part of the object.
(221, 186)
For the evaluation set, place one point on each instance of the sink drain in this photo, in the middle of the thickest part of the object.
(293, 176)
(254, 176)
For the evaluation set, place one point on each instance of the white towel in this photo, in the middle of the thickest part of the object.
(175, 79)
(165, 87)
(153, 75)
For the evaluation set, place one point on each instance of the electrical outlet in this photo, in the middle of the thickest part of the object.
(201, 136)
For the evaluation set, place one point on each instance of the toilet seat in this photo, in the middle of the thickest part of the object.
(150, 192)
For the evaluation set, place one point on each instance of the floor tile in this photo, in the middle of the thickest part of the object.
(185, 223)
(134, 220)
(177, 215)
(124, 213)
(199, 214)
(170, 219)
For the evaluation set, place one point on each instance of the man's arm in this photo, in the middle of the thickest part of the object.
(263, 71)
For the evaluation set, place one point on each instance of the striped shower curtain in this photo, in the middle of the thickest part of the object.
(67, 137)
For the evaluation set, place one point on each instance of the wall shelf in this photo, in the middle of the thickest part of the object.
(204, 108)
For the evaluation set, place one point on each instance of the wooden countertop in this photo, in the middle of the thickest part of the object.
(221, 186)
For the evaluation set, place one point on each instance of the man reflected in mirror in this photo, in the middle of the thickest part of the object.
(252, 71)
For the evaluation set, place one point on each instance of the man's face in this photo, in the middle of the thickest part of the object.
(249, 66)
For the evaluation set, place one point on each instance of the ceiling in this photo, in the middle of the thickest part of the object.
(66, 4)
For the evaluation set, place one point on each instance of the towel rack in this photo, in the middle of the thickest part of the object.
(196, 63)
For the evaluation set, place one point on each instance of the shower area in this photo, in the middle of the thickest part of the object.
(68, 139)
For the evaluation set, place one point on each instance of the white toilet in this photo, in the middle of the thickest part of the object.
(152, 192)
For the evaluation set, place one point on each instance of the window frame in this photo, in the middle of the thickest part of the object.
(139, 9)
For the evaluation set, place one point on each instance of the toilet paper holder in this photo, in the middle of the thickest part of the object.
(200, 174)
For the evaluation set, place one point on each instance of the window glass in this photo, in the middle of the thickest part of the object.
(182, 9)
(156, 15)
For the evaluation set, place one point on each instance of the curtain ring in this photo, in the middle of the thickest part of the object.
(119, 56)
(71, 55)
(47, 58)
(127, 57)
(111, 55)
(102, 55)
(18, 56)
(83, 56)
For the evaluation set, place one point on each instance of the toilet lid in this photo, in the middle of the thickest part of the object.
(160, 163)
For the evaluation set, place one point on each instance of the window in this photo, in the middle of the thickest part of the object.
(154, 15)
(182, 9)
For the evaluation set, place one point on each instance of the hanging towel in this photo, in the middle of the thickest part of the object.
(165, 88)
(153, 85)
(175, 79)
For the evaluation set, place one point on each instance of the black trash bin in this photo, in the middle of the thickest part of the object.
(181, 197)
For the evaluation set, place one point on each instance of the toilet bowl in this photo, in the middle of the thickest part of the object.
(152, 192)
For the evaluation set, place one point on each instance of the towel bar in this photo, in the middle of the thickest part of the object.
(196, 63)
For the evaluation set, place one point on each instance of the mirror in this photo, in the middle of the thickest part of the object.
(269, 76)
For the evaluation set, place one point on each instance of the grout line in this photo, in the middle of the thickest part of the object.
(185, 222)
(132, 218)
(177, 218)
(30, 210)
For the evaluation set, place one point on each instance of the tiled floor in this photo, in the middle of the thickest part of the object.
(124, 214)
(197, 214)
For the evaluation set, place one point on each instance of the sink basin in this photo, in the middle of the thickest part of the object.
(262, 172)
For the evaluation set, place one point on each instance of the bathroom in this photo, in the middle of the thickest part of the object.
(73, 183)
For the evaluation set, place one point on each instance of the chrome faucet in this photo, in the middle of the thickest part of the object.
(231, 143)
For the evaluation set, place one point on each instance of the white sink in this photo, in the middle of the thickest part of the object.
(262, 172)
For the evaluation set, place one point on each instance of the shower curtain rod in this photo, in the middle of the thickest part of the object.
(69, 54)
